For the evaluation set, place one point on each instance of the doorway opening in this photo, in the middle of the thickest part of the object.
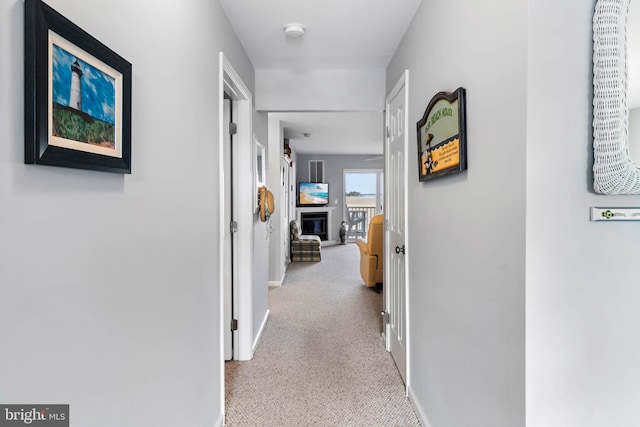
(236, 189)
(228, 238)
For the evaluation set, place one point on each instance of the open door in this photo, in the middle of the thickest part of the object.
(395, 286)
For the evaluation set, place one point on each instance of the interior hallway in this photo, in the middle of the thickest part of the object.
(321, 360)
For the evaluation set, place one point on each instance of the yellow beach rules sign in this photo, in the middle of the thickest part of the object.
(440, 136)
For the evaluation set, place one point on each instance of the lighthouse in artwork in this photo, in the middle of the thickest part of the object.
(75, 98)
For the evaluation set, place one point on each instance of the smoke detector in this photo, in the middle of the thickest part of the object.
(294, 31)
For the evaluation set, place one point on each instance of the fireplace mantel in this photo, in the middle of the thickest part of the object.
(328, 210)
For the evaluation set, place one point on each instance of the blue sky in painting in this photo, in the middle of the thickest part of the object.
(98, 88)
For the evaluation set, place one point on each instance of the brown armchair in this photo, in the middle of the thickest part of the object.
(371, 253)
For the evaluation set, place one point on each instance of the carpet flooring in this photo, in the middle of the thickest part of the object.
(321, 359)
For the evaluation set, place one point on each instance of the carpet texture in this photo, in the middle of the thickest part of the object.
(321, 360)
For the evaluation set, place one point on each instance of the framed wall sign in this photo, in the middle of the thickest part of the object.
(442, 139)
(77, 96)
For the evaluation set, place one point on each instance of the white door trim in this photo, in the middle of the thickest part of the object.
(230, 82)
(403, 81)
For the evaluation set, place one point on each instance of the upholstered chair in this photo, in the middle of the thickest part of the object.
(371, 253)
(303, 247)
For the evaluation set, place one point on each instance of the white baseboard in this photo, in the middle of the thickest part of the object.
(220, 421)
(276, 283)
(422, 417)
(262, 326)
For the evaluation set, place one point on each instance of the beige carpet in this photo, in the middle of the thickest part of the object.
(321, 360)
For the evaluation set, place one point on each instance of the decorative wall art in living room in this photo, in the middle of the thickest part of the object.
(77, 96)
(442, 136)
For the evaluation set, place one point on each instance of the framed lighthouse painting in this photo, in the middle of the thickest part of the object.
(77, 96)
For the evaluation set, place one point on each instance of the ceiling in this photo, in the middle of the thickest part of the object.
(340, 34)
(353, 132)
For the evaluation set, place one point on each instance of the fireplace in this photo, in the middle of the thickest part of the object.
(314, 223)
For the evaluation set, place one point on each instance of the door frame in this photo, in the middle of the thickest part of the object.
(231, 83)
(403, 81)
(228, 239)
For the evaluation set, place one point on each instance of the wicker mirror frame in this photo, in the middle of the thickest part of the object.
(614, 172)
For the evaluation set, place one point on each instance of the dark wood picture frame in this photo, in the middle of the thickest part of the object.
(442, 136)
(107, 130)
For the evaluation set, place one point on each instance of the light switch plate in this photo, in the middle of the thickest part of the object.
(615, 214)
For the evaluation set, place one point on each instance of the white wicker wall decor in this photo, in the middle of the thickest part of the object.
(613, 170)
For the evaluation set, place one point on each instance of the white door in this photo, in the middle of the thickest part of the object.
(395, 225)
(227, 237)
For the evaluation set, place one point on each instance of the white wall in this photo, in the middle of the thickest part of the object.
(260, 297)
(278, 233)
(467, 232)
(320, 90)
(583, 350)
(109, 283)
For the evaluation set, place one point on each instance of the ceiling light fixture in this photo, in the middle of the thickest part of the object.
(294, 31)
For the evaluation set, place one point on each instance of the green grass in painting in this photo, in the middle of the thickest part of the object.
(72, 124)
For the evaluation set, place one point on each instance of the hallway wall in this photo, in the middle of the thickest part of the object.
(109, 283)
(583, 349)
(279, 232)
(467, 238)
(260, 297)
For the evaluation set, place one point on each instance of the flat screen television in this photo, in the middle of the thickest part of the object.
(313, 194)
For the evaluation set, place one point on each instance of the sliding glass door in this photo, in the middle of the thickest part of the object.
(363, 190)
